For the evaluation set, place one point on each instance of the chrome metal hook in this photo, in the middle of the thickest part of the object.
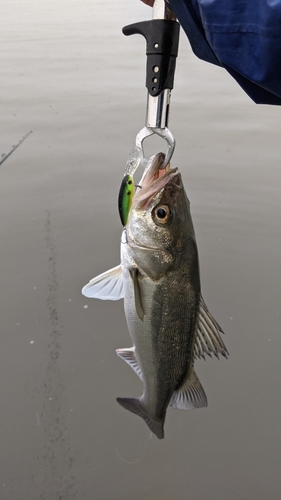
(165, 133)
(136, 156)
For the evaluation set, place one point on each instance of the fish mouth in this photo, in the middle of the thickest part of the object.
(135, 244)
(152, 181)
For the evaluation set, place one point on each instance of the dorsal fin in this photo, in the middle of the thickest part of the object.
(208, 335)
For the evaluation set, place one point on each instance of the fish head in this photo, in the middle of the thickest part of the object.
(159, 230)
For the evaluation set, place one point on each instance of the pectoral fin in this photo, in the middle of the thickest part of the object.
(190, 395)
(129, 356)
(138, 302)
(208, 335)
(106, 286)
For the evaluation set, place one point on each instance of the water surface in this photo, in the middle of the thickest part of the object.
(69, 75)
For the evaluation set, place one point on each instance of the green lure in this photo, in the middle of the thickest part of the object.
(126, 193)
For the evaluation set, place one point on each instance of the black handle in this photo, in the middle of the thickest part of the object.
(162, 37)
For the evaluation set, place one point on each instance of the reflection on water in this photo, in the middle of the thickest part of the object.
(55, 458)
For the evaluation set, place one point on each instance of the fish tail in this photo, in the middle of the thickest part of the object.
(135, 406)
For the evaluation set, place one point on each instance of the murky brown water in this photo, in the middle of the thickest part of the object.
(68, 74)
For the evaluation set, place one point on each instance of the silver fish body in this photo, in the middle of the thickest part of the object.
(159, 279)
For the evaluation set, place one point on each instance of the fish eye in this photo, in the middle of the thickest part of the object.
(162, 214)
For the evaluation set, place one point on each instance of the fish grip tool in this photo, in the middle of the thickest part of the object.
(162, 40)
(162, 49)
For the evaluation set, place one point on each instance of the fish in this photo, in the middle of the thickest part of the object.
(168, 320)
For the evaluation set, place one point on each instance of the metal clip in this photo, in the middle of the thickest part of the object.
(136, 156)
(162, 37)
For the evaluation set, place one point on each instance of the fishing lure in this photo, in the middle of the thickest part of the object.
(126, 193)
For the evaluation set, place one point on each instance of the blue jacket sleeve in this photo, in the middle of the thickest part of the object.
(243, 36)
